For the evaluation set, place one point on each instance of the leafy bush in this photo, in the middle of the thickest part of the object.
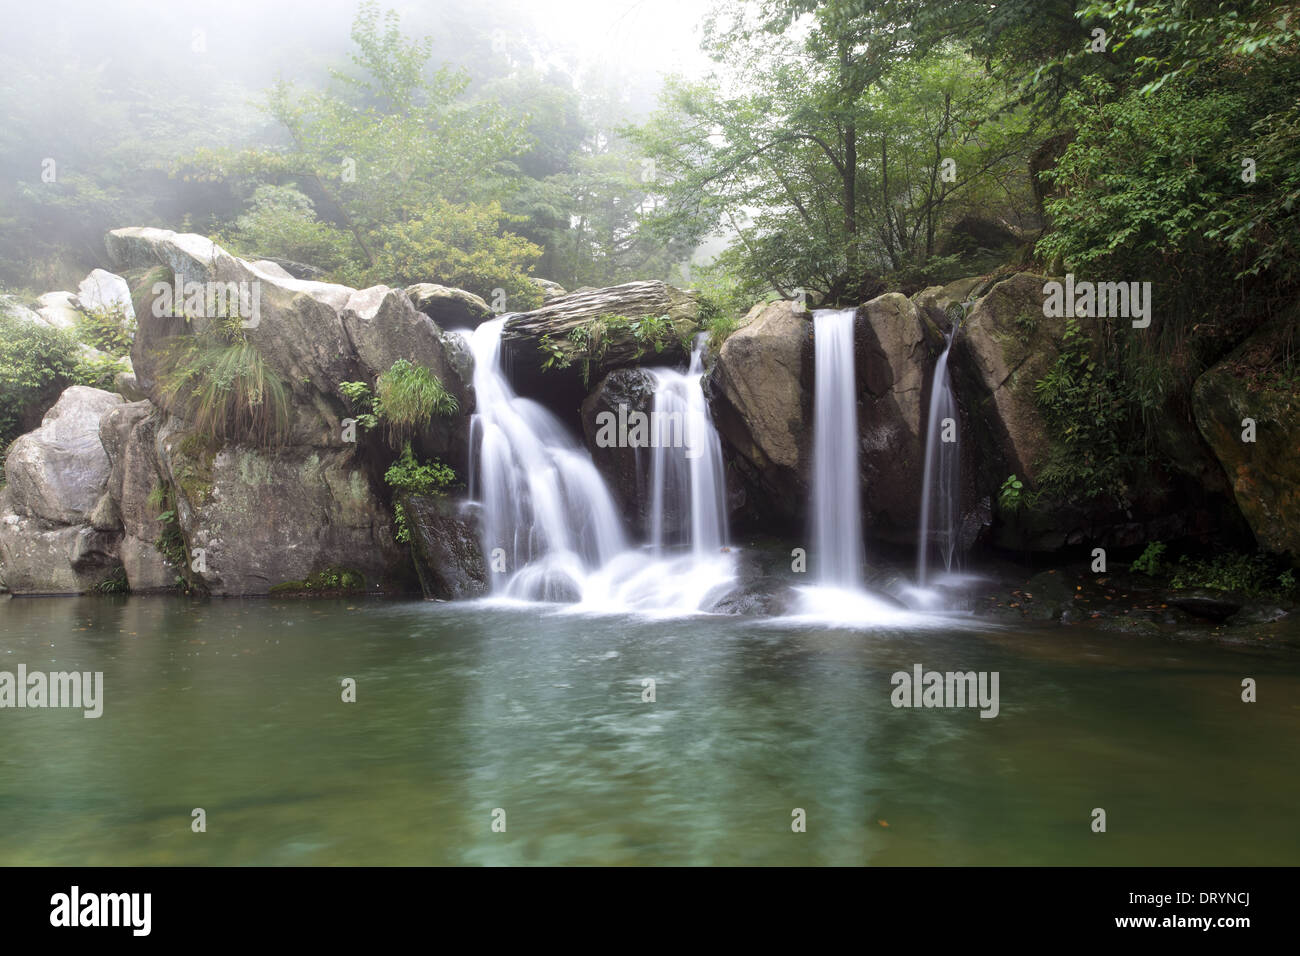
(36, 364)
(1149, 561)
(407, 475)
(108, 330)
(362, 401)
(99, 372)
(1253, 574)
(460, 245)
(281, 221)
(1012, 495)
(226, 390)
(1085, 416)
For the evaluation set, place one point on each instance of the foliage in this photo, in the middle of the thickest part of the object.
(98, 371)
(1252, 574)
(463, 246)
(1085, 416)
(407, 475)
(115, 583)
(224, 389)
(108, 330)
(408, 396)
(823, 157)
(1149, 562)
(170, 542)
(1012, 495)
(362, 400)
(36, 364)
(334, 578)
(281, 221)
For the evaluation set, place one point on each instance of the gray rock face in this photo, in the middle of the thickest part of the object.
(56, 477)
(761, 396)
(894, 361)
(625, 470)
(262, 517)
(449, 308)
(445, 545)
(128, 434)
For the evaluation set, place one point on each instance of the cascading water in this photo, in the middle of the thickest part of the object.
(547, 509)
(688, 503)
(836, 506)
(940, 485)
(543, 502)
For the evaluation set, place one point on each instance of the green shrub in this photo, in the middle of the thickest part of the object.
(1012, 495)
(108, 330)
(407, 396)
(1085, 417)
(99, 372)
(36, 364)
(226, 390)
(1253, 574)
(1149, 561)
(362, 401)
(407, 475)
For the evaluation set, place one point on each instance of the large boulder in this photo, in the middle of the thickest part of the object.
(762, 406)
(1004, 347)
(131, 501)
(445, 546)
(532, 343)
(625, 469)
(262, 517)
(893, 362)
(56, 476)
(1247, 387)
(449, 308)
(313, 335)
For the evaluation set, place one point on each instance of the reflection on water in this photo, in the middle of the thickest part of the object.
(235, 707)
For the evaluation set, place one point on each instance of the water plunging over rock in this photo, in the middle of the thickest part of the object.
(549, 520)
(836, 507)
(941, 485)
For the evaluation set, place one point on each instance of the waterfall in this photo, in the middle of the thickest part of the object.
(688, 497)
(546, 509)
(836, 502)
(543, 502)
(940, 484)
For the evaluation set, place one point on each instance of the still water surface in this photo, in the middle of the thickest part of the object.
(234, 706)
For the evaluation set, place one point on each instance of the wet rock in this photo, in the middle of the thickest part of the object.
(445, 545)
(1207, 603)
